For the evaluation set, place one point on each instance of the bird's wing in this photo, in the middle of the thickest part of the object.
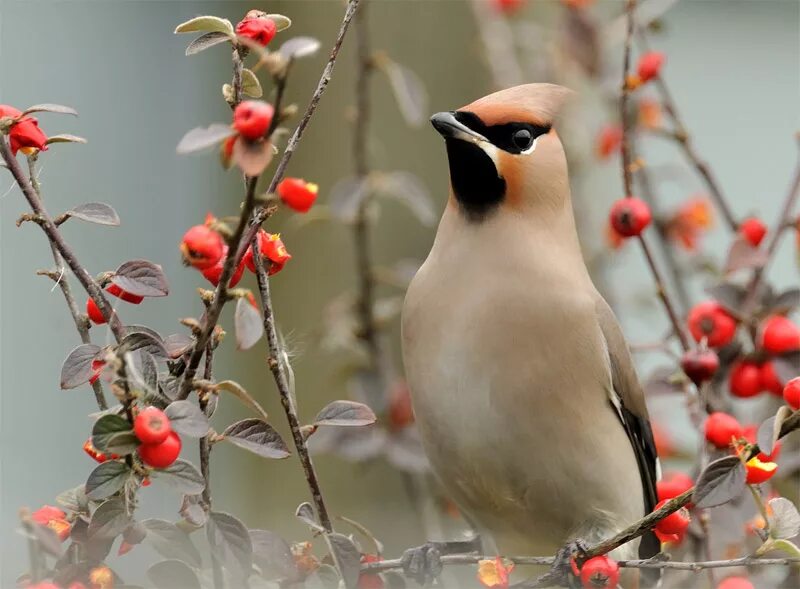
(630, 406)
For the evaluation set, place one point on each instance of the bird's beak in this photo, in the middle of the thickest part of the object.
(450, 128)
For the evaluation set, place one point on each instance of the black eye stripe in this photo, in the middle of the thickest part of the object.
(502, 136)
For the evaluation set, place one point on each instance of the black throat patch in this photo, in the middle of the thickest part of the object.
(477, 186)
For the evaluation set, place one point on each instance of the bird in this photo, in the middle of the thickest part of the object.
(525, 394)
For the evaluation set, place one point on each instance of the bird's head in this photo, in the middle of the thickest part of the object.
(504, 152)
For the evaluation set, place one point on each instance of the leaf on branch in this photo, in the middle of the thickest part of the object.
(178, 344)
(731, 296)
(281, 22)
(238, 391)
(207, 40)
(211, 24)
(141, 277)
(113, 434)
(345, 413)
(56, 108)
(770, 429)
(250, 84)
(183, 477)
(74, 499)
(145, 341)
(345, 198)
(248, 325)
(201, 138)
(171, 542)
(187, 419)
(784, 521)
(409, 190)
(409, 91)
(743, 256)
(721, 481)
(192, 510)
(95, 212)
(785, 302)
(64, 138)
(305, 513)
(109, 520)
(173, 574)
(273, 555)
(143, 372)
(347, 557)
(77, 367)
(252, 157)
(106, 479)
(257, 436)
(230, 539)
(298, 47)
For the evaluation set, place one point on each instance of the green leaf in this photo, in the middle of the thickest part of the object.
(721, 481)
(183, 477)
(207, 40)
(770, 429)
(141, 277)
(172, 574)
(281, 22)
(95, 212)
(113, 434)
(273, 555)
(789, 548)
(298, 47)
(74, 499)
(305, 513)
(201, 138)
(77, 367)
(258, 437)
(56, 108)
(106, 479)
(784, 521)
(248, 325)
(64, 138)
(252, 157)
(230, 541)
(208, 24)
(238, 391)
(187, 419)
(109, 520)
(346, 556)
(345, 413)
(250, 84)
(171, 542)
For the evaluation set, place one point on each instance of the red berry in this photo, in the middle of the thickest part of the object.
(151, 426)
(214, 273)
(252, 118)
(93, 311)
(259, 29)
(297, 194)
(745, 379)
(27, 136)
(700, 365)
(779, 335)
(710, 320)
(370, 580)
(272, 248)
(650, 65)
(600, 572)
(202, 247)
(609, 141)
(508, 6)
(735, 583)
(791, 393)
(759, 472)
(401, 412)
(116, 291)
(673, 485)
(722, 429)
(769, 379)
(163, 454)
(750, 432)
(629, 216)
(674, 523)
(753, 230)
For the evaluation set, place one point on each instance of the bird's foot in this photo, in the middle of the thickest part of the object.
(564, 570)
(424, 563)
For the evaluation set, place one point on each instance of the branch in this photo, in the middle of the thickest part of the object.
(58, 243)
(627, 176)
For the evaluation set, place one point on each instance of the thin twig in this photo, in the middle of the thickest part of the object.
(57, 241)
(627, 176)
(275, 361)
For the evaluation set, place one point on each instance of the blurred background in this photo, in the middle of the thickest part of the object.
(733, 68)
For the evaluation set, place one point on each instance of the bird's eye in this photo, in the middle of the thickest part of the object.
(522, 139)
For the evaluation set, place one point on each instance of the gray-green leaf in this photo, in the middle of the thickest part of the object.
(206, 24)
(106, 479)
(258, 437)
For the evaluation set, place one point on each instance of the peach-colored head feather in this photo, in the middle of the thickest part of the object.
(538, 104)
